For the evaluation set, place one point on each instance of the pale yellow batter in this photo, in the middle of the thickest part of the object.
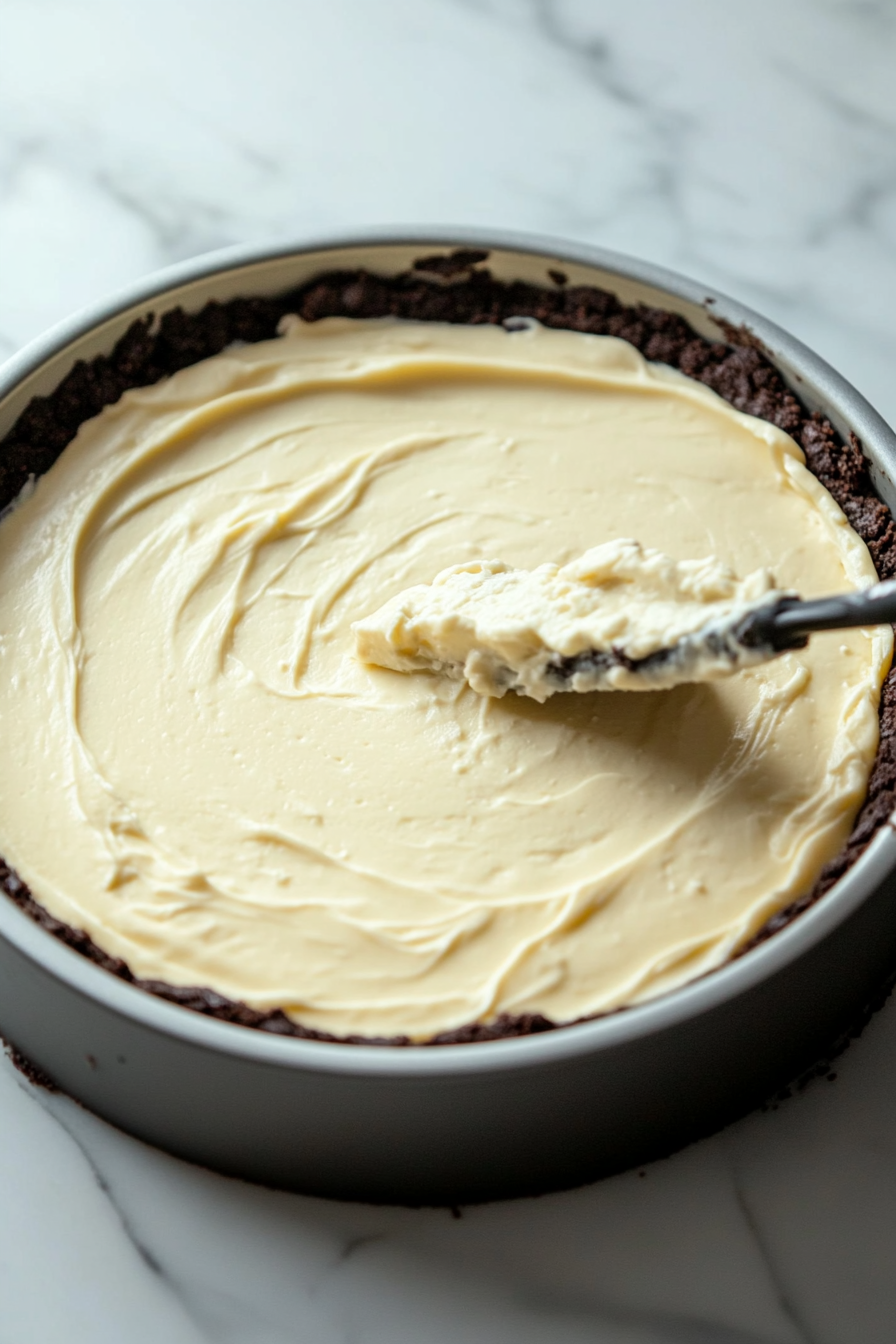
(197, 769)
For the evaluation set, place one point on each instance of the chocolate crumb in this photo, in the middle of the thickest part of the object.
(738, 335)
(455, 288)
(31, 1071)
(457, 264)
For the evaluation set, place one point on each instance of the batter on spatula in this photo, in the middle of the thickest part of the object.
(621, 617)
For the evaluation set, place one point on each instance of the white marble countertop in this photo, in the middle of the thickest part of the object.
(753, 146)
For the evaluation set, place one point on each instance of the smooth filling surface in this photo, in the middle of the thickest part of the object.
(199, 771)
(620, 617)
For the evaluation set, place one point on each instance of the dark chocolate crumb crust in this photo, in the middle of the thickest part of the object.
(456, 287)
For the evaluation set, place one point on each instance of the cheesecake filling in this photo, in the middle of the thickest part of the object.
(199, 770)
(620, 617)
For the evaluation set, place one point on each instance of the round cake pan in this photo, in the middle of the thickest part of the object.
(464, 1122)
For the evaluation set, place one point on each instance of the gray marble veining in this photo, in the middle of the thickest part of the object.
(754, 146)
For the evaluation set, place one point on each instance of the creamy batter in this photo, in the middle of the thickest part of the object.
(620, 617)
(196, 768)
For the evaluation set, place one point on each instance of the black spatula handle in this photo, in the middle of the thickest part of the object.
(788, 623)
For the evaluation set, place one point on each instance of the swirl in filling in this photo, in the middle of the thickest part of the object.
(199, 771)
